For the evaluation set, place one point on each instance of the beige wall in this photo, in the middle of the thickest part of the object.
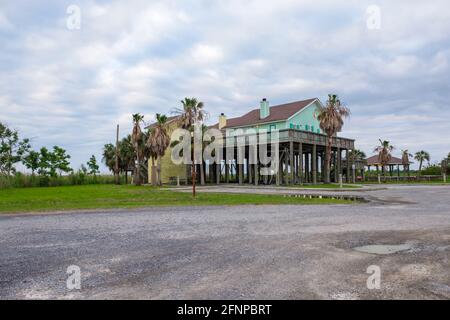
(168, 168)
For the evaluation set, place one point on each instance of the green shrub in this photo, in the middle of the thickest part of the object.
(432, 170)
(20, 180)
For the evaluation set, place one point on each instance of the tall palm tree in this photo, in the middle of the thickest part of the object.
(189, 114)
(136, 138)
(405, 159)
(384, 151)
(158, 141)
(331, 119)
(421, 156)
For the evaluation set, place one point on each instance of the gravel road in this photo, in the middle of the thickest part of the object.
(234, 252)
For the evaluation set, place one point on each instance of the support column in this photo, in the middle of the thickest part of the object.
(240, 168)
(291, 161)
(314, 164)
(218, 171)
(306, 167)
(286, 165)
(300, 162)
(339, 161)
(348, 165)
(322, 166)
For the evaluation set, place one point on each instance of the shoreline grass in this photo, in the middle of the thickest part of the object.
(111, 196)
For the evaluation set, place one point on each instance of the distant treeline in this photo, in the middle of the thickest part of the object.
(47, 167)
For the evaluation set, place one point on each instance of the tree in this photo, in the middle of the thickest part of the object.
(192, 113)
(421, 156)
(108, 156)
(136, 139)
(384, 151)
(158, 141)
(93, 166)
(356, 155)
(44, 162)
(12, 149)
(31, 161)
(126, 156)
(60, 160)
(405, 159)
(331, 118)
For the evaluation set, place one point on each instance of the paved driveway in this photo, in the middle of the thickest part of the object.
(246, 252)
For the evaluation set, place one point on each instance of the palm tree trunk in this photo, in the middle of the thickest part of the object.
(159, 171)
(137, 178)
(420, 168)
(153, 173)
(193, 180)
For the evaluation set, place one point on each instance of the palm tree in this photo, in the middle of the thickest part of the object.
(108, 156)
(126, 156)
(405, 159)
(158, 141)
(331, 119)
(384, 151)
(421, 156)
(190, 114)
(136, 137)
(356, 155)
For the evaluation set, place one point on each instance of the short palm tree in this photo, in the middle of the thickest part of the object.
(136, 140)
(405, 159)
(331, 118)
(356, 155)
(126, 156)
(384, 151)
(421, 156)
(190, 114)
(158, 142)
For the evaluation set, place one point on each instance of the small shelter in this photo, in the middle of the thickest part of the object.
(393, 164)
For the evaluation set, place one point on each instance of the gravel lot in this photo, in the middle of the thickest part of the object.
(242, 252)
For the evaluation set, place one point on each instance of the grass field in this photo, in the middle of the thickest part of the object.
(112, 196)
(409, 182)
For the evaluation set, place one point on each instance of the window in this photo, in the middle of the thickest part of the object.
(272, 127)
(312, 128)
(306, 127)
(298, 127)
(291, 125)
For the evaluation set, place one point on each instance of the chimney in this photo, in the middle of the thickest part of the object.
(222, 121)
(264, 110)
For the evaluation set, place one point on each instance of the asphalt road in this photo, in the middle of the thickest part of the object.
(243, 252)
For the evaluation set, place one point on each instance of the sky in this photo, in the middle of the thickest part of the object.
(70, 71)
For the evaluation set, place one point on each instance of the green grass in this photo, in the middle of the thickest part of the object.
(112, 196)
(409, 182)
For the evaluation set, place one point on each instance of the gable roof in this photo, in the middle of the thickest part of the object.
(277, 113)
(169, 120)
(372, 161)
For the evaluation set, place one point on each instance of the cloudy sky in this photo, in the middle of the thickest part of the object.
(70, 86)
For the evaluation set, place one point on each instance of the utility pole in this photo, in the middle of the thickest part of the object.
(117, 157)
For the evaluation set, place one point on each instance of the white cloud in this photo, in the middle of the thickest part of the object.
(75, 86)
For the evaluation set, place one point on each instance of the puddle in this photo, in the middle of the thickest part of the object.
(318, 196)
(384, 248)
